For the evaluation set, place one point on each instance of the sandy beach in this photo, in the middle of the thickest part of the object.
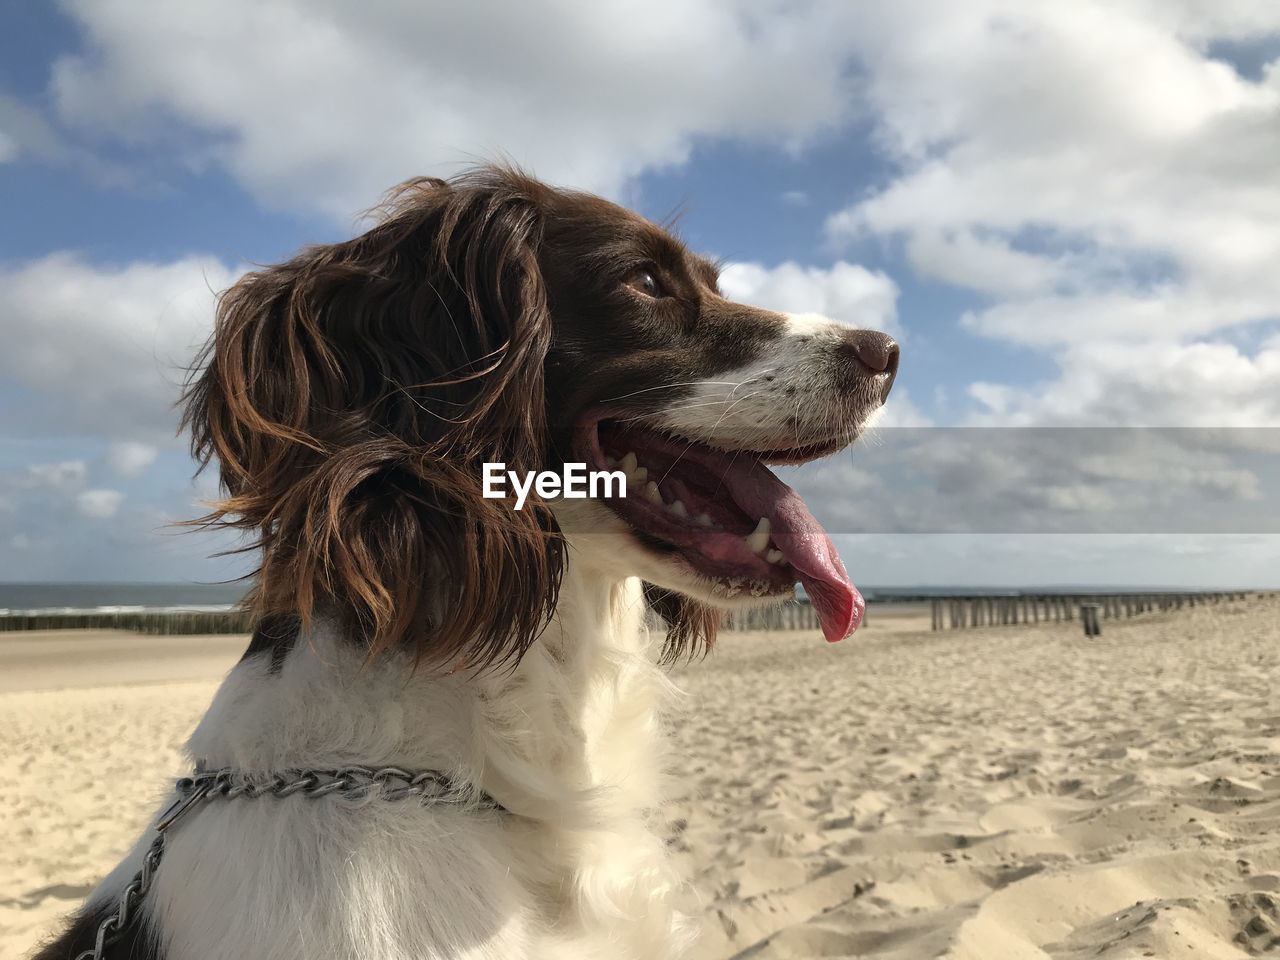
(1011, 792)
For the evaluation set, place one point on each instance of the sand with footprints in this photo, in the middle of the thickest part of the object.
(1010, 792)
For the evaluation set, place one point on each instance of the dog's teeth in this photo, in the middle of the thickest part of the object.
(678, 508)
(704, 519)
(638, 476)
(774, 556)
(628, 464)
(610, 462)
(758, 541)
(651, 492)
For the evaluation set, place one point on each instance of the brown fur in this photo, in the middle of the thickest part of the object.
(351, 395)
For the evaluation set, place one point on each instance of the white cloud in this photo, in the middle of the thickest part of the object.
(1157, 384)
(1062, 560)
(1049, 480)
(1116, 136)
(94, 532)
(327, 104)
(24, 130)
(898, 412)
(1198, 21)
(1121, 317)
(846, 292)
(105, 347)
(990, 264)
(1089, 167)
(99, 503)
(26, 133)
(1104, 180)
(68, 475)
(129, 458)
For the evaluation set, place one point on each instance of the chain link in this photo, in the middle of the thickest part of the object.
(353, 783)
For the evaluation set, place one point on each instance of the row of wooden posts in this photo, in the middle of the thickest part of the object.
(954, 613)
(140, 621)
(948, 613)
(794, 616)
(790, 616)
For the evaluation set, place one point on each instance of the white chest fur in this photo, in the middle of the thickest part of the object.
(569, 742)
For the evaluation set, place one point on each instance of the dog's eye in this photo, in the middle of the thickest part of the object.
(647, 283)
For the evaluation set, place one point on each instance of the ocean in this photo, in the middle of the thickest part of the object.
(113, 597)
(121, 597)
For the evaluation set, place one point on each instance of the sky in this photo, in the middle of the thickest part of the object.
(1068, 214)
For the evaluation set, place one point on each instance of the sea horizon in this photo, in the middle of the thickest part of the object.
(120, 596)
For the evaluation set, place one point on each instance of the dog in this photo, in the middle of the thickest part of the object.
(406, 622)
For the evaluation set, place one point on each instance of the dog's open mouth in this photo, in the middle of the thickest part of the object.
(725, 514)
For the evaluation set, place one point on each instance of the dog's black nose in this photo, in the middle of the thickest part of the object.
(869, 353)
(876, 351)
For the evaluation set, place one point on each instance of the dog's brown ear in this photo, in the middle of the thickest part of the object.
(691, 625)
(351, 397)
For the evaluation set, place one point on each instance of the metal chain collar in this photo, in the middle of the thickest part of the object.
(354, 783)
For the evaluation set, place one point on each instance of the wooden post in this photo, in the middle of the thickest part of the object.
(1089, 615)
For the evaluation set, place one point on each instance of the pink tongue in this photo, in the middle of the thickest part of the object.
(804, 543)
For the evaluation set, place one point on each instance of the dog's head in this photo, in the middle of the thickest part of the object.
(353, 394)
